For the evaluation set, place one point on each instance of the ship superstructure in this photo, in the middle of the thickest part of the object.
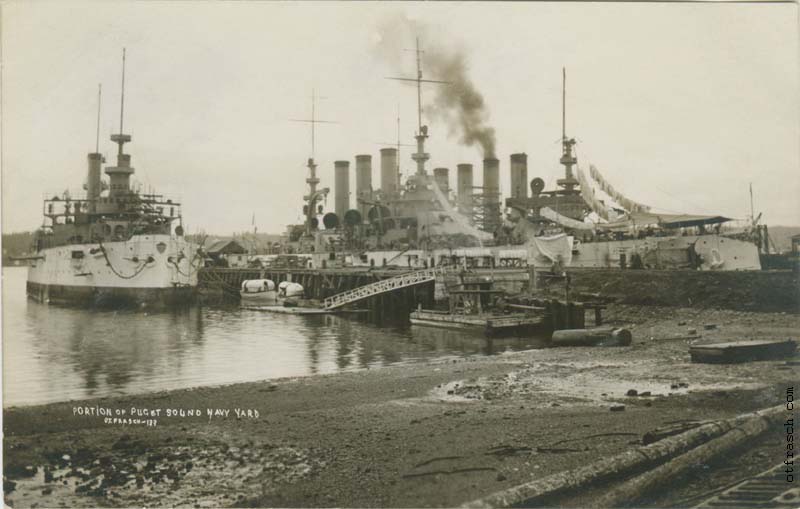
(422, 219)
(115, 244)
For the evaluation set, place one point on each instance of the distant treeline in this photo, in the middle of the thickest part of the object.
(16, 244)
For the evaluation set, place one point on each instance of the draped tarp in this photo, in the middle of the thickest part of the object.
(555, 217)
(457, 217)
(587, 193)
(640, 219)
(544, 251)
(626, 203)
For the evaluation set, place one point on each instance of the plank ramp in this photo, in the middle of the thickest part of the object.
(380, 287)
(769, 489)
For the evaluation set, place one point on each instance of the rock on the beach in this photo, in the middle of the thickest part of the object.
(617, 408)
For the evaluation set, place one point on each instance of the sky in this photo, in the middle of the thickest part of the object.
(681, 106)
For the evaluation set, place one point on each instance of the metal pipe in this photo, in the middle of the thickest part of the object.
(363, 182)
(341, 189)
(519, 175)
(389, 171)
(442, 178)
(464, 186)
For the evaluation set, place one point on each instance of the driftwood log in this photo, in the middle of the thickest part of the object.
(633, 490)
(626, 463)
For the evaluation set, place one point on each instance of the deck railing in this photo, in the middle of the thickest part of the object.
(384, 286)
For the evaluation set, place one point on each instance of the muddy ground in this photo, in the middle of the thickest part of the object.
(434, 434)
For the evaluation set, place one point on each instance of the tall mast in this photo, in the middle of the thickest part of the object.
(122, 100)
(120, 174)
(99, 104)
(420, 156)
(563, 103)
(568, 159)
(397, 144)
(313, 194)
(93, 182)
(419, 88)
(121, 138)
(313, 118)
(398, 147)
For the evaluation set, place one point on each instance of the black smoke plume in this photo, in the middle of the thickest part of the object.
(459, 104)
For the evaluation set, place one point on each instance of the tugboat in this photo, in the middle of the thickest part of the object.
(113, 247)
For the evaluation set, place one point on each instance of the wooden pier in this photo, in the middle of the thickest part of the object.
(320, 284)
(403, 299)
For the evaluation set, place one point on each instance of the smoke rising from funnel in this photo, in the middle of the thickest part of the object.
(460, 105)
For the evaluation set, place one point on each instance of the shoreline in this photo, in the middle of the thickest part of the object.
(437, 433)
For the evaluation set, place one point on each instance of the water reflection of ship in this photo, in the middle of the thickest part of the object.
(113, 351)
(356, 346)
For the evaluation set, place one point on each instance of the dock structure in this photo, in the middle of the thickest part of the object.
(395, 293)
(384, 286)
(321, 284)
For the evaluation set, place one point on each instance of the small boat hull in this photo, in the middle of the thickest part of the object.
(742, 351)
(491, 325)
(268, 298)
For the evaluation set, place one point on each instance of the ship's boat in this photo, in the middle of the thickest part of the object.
(258, 292)
(115, 245)
(287, 289)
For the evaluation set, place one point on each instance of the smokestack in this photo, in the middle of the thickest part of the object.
(363, 182)
(389, 177)
(442, 178)
(519, 175)
(341, 190)
(464, 187)
(93, 180)
(491, 193)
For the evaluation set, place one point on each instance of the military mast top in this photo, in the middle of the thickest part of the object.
(120, 174)
(568, 159)
(313, 194)
(420, 156)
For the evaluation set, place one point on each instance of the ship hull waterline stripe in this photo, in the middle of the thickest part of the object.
(111, 296)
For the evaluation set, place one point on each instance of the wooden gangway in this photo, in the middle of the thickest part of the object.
(384, 286)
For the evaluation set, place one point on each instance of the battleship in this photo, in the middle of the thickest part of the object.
(115, 245)
(424, 221)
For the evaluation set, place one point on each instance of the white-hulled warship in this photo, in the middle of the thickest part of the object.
(116, 245)
(583, 222)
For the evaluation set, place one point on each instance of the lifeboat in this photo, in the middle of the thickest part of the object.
(289, 290)
(258, 291)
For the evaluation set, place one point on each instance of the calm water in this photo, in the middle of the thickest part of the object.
(53, 353)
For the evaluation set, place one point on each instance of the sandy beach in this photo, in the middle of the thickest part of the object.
(435, 434)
